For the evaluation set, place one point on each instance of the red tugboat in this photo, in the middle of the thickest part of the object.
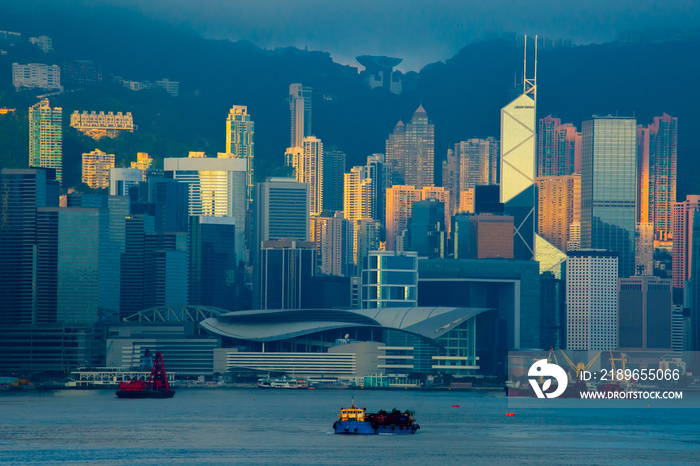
(156, 387)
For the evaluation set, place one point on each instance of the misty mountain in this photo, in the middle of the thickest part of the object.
(462, 96)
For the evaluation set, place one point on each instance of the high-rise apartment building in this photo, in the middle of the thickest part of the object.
(335, 245)
(399, 204)
(96, 165)
(410, 151)
(478, 162)
(450, 179)
(558, 206)
(217, 188)
(46, 137)
(558, 148)
(645, 313)
(657, 170)
(359, 194)
(240, 130)
(300, 113)
(685, 214)
(517, 174)
(310, 171)
(608, 187)
(591, 299)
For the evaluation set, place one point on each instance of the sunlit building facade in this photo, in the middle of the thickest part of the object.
(46, 137)
(399, 204)
(558, 206)
(300, 113)
(240, 130)
(96, 165)
(558, 148)
(410, 151)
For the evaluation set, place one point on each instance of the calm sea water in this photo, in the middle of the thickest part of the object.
(253, 426)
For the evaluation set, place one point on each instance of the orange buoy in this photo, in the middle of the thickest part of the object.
(510, 414)
(455, 406)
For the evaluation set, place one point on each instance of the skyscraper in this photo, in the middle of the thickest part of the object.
(442, 195)
(282, 211)
(685, 214)
(310, 171)
(646, 307)
(399, 204)
(96, 165)
(558, 206)
(518, 150)
(450, 179)
(46, 137)
(478, 162)
(300, 113)
(410, 151)
(591, 297)
(336, 246)
(657, 170)
(22, 192)
(284, 278)
(558, 148)
(217, 188)
(359, 200)
(427, 231)
(334, 170)
(240, 130)
(608, 187)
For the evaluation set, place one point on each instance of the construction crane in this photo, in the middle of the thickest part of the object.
(577, 368)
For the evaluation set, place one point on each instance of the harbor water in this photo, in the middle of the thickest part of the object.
(253, 426)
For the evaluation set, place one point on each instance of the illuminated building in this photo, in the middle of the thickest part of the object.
(478, 162)
(240, 130)
(657, 170)
(96, 165)
(558, 148)
(410, 151)
(300, 113)
(559, 205)
(684, 215)
(517, 175)
(46, 137)
(399, 202)
(217, 188)
(97, 125)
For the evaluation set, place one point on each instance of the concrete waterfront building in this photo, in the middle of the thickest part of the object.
(399, 202)
(645, 313)
(685, 214)
(96, 166)
(410, 151)
(217, 188)
(390, 279)
(608, 187)
(592, 302)
(558, 206)
(657, 146)
(518, 160)
(240, 131)
(36, 76)
(558, 148)
(46, 137)
(98, 125)
(300, 113)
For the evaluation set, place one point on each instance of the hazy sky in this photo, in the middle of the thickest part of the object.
(419, 31)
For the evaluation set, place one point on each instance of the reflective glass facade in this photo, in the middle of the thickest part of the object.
(390, 280)
(608, 187)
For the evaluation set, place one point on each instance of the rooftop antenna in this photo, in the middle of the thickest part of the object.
(525, 66)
